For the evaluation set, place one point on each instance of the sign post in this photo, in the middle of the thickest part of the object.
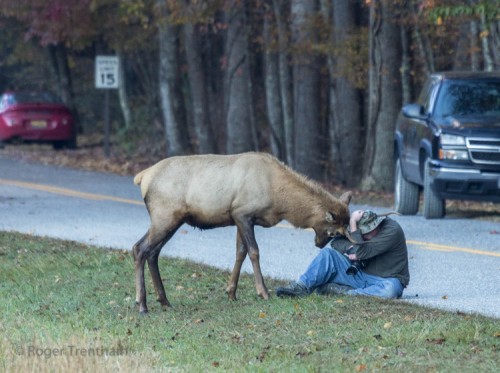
(106, 77)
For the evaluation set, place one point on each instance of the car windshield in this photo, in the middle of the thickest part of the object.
(457, 98)
(33, 97)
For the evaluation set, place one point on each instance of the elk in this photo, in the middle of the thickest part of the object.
(209, 191)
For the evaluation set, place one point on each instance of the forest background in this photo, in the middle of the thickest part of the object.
(317, 83)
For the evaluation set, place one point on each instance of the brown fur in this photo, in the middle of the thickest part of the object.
(209, 191)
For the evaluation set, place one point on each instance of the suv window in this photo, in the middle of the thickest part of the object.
(467, 98)
(424, 99)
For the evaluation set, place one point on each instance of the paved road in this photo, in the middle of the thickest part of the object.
(454, 263)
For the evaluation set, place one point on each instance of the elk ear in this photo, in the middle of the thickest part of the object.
(346, 197)
(330, 217)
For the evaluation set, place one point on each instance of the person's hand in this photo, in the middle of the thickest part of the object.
(352, 257)
(355, 217)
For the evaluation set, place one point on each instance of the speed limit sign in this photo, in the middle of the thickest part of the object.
(106, 72)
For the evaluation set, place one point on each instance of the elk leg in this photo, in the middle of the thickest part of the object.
(253, 253)
(241, 253)
(148, 248)
(161, 296)
(246, 229)
(139, 260)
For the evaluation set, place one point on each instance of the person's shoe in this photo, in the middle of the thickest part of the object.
(293, 289)
(333, 289)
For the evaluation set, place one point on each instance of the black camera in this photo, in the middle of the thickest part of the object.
(356, 265)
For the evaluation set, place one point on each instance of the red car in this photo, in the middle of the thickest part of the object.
(36, 117)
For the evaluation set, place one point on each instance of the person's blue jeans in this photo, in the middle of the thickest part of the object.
(330, 266)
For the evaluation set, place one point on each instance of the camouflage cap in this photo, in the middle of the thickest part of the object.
(369, 221)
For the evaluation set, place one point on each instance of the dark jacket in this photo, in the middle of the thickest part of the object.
(385, 255)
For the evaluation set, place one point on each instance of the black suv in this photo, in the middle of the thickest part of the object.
(448, 143)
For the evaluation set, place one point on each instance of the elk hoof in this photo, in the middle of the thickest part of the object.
(143, 312)
(263, 295)
(164, 302)
(231, 292)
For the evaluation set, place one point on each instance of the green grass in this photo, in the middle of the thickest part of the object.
(64, 303)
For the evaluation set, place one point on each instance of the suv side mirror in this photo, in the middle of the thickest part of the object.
(413, 111)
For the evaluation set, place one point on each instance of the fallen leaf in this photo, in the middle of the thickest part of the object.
(496, 335)
(436, 341)
(444, 297)
(387, 325)
(311, 332)
(360, 368)
(302, 354)
(339, 301)
(215, 364)
(262, 315)
(199, 321)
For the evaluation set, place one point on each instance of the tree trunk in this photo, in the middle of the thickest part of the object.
(385, 96)
(347, 126)
(474, 47)
(241, 133)
(273, 96)
(406, 83)
(495, 42)
(423, 44)
(310, 154)
(487, 56)
(285, 79)
(175, 128)
(463, 52)
(199, 92)
(122, 91)
(60, 66)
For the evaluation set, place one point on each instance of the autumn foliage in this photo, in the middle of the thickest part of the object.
(316, 83)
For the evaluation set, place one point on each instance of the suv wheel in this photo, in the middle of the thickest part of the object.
(433, 205)
(406, 193)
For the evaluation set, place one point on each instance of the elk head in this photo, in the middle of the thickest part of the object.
(333, 223)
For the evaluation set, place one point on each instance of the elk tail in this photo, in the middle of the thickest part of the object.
(139, 176)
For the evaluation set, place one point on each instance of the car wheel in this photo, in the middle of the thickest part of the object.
(69, 144)
(58, 145)
(433, 204)
(406, 193)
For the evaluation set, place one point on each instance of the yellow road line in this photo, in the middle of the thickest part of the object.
(101, 197)
(68, 192)
(447, 248)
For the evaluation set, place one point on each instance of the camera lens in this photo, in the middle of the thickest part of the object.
(352, 270)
